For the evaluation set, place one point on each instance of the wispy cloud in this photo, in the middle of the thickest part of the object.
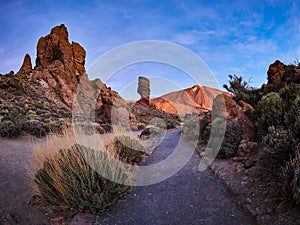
(230, 36)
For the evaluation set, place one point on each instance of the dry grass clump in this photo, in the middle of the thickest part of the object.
(80, 173)
(290, 176)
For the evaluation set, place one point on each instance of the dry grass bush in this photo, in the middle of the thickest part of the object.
(74, 177)
(290, 177)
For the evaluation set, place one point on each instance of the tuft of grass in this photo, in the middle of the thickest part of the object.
(78, 173)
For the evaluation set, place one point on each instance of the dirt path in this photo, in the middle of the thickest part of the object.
(15, 192)
(189, 197)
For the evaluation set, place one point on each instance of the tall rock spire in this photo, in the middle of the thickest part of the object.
(26, 67)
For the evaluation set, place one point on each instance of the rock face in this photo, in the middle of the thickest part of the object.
(238, 126)
(26, 67)
(235, 115)
(144, 90)
(60, 66)
(276, 72)
(56, 46)
(194, 99)
(60, 63)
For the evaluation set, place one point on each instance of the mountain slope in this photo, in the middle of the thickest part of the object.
(194, 99)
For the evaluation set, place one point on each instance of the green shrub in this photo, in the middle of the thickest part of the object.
(35, 128)
(67, 182)
(128, 149)
(269, 112)
(9, 129)
(226, 152)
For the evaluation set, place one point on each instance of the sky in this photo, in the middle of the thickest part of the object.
(230, 37)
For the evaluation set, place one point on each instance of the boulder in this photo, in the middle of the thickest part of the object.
(276, 72)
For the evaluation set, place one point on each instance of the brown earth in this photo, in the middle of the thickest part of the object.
(15, 192)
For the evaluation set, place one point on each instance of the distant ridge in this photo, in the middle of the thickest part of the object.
(194, 99)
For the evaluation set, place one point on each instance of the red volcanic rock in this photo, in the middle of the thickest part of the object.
(60, 63)
(26, 67)
(60, 66)
(276, 72)
(194, 99)
(234, 114)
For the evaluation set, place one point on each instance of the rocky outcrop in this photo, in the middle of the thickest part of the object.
(60, 63)
(60, 66)
(280, 75)
(144, 90)
(26, 67)
(276, 72)
(238, 126)
(234, 115)
(56, 47)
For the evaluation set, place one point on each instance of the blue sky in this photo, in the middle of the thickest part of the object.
(231, 37)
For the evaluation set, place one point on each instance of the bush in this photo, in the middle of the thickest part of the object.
(290, 96)
(290, 175)
(278, 147)
(226, 152)
(241, 89)
(232, 138)
(35, 128)
(67, 182)
(9, 129)
(269, 112)
(129, 149)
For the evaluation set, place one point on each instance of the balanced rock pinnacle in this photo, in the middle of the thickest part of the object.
(144, 90)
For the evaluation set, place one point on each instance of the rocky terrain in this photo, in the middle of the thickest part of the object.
(39, 99)
(148, 113)
(262, 163)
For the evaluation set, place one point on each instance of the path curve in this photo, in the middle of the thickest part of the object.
(189, 197)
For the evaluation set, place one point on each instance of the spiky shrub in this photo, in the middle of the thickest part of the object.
(78, 178)
(68, 182)
(9, 129)
(129, 149)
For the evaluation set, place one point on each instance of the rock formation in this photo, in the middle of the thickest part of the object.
(60, 63)
(60, 66)
(234, 115)
(144, 90)
(26, 67)
(279, 75)
(276, 72)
